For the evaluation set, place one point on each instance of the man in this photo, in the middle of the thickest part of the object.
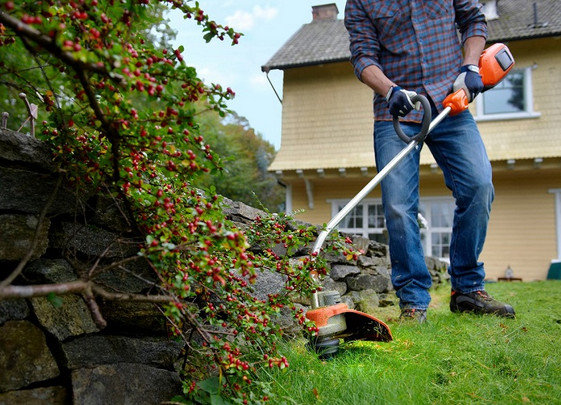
(400, 48)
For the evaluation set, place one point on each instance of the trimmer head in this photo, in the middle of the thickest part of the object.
(337, 321)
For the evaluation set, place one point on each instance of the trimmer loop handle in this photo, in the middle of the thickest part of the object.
(419, 137)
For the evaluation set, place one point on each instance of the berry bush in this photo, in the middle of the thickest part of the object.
(119, 107)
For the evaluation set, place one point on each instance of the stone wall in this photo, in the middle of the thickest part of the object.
(51, 350)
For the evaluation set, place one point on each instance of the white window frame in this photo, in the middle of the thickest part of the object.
(529, 112)
(557, 194)
(365, 231)
(427, 232)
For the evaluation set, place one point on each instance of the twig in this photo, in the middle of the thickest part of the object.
(91, 303)
(42, 290)
(76, 287)
(98, 259)
(113, 296)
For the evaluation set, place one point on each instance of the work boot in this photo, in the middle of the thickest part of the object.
(413, 314)
(479, 302)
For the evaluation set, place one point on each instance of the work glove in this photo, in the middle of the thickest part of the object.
(469, 79)
(399, 101)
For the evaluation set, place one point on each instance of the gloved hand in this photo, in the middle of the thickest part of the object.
(399, 101)
(469, 79)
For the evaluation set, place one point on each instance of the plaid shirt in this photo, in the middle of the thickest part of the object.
(414, 42)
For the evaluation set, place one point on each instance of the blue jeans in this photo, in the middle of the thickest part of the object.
(458, 149)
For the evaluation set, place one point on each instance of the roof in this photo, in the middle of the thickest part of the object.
(523, 19)
(327, 41)
(315, 43)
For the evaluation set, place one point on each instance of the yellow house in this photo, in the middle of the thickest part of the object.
(326, 154)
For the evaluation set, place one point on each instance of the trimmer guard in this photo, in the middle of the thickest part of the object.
(360, 326)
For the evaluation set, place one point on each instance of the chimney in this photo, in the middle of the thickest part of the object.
(490, 10)
(325, 12)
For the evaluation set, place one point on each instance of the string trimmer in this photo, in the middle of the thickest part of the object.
(334, 319)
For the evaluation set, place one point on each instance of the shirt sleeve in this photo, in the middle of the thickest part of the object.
(363, 37)
(470, 19)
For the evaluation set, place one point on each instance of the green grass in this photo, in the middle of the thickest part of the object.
(452, 359)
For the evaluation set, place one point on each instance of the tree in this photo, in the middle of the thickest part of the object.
(245, 159)
(122, 114)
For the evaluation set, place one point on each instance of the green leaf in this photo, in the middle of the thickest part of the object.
(55, 300)
(210, 385)
(218, 400)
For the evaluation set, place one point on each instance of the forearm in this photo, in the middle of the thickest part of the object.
(374, 78)
(473, 46)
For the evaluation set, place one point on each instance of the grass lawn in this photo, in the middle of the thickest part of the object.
(451, 359)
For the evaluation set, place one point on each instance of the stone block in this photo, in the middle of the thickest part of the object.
(28, 191)
(361, 282)
(340, 271)
(13, 310)
(124, 384)
(95, 350)
(20, 148)
(48, 271)
(18, 232)
(72, 318)
(92, 241)
(38, 396)
(24, 356)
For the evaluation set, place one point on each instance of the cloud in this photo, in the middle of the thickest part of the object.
(209, 74)
(259, 80)
(243, 20)
(265, 14)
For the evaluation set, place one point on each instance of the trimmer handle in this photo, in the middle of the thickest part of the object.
(421, 135)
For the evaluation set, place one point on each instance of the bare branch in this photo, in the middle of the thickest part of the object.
(42, 290)
(100, 322)
(112, 296)
(77, 287)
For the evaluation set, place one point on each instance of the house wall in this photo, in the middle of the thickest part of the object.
(326, 119)
(537, 136)
(521, 230)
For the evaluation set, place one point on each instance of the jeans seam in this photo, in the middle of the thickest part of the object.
(471, 290)
(453, 188)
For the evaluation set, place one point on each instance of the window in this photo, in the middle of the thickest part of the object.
(371, 226)
(436, 236)
(511, 98)
(367, 220)
(557, 194)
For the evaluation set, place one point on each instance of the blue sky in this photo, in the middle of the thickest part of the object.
(266, 25)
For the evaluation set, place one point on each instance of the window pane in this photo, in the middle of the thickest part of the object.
(353, 218)
(424, 242)
(378, 237)
(441, 244)
(375, 216)
(507, 96)
(442, 214)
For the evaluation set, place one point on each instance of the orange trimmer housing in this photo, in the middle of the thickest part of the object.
(360, 326)
(494, 64)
